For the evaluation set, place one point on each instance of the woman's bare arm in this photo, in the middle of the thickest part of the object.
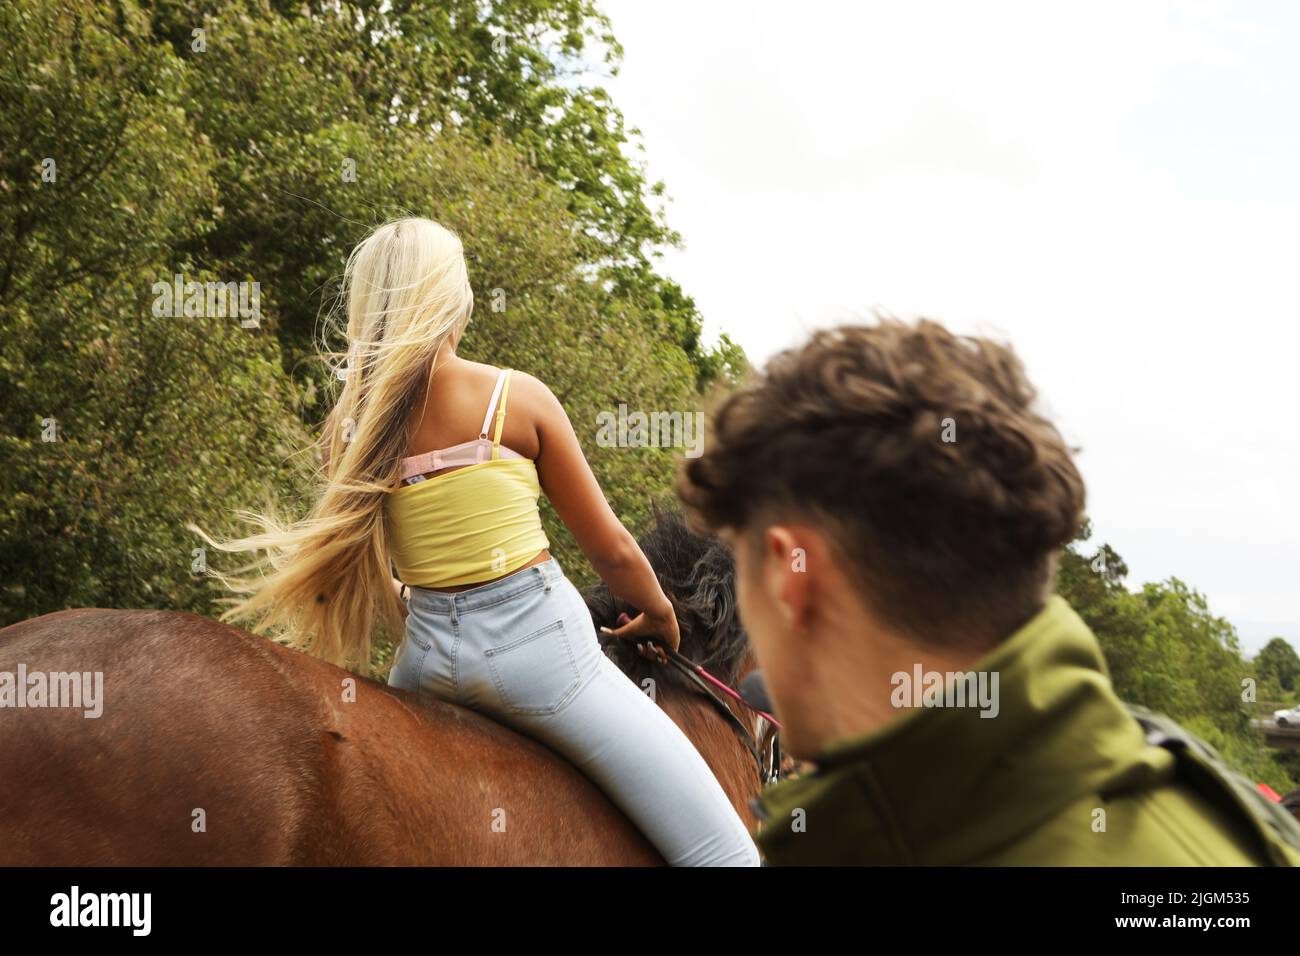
(569, 483)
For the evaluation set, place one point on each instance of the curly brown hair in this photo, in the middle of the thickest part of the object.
(921, 455)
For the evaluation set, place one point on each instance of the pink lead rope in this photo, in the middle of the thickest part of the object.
(701, 672)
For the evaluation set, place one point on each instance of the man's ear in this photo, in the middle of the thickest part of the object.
(785, 577)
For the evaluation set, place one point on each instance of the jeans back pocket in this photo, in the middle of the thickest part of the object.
(536, 673)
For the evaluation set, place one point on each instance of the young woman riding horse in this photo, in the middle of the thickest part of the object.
(428, 470)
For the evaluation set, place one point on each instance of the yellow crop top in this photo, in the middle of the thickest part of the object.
(473, 524)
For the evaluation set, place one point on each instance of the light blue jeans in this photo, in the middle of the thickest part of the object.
(523, 650)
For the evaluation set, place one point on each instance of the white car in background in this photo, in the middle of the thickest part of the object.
(1287, 718)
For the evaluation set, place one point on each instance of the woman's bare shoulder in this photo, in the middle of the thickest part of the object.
(533, 391)
(483, 371)
(518, 377)
(470, 370)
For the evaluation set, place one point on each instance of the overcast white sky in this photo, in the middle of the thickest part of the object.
(1112, 187)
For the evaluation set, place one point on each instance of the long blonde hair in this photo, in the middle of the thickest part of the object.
(324, 582)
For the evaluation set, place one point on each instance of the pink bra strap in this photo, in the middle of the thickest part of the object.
(470, 452)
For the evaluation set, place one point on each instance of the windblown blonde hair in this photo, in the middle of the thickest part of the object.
(324, 582)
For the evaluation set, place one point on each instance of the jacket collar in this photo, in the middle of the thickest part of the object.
(943, 785)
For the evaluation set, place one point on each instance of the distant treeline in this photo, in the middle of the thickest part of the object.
(1167, 651)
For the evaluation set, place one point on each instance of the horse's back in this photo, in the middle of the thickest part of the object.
(182, 764)
(213, 746)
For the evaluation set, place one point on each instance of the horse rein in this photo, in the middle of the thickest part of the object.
(769, 769)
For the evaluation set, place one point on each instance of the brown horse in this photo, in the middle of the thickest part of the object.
(216, 747)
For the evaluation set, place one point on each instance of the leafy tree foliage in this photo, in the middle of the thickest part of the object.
(1279, 665)
(1167, 651)
(260, 150)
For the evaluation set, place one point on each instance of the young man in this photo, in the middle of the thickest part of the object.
(896, 505)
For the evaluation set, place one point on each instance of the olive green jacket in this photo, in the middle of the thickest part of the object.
(1064, 774)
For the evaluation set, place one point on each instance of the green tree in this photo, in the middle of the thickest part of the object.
(1164, 649)
(117, 424)
(231, 165)
(514, 70)
(1279, 663)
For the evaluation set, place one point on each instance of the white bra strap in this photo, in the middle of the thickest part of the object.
(496, 394)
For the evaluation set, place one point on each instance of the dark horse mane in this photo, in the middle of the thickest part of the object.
(698, 574)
